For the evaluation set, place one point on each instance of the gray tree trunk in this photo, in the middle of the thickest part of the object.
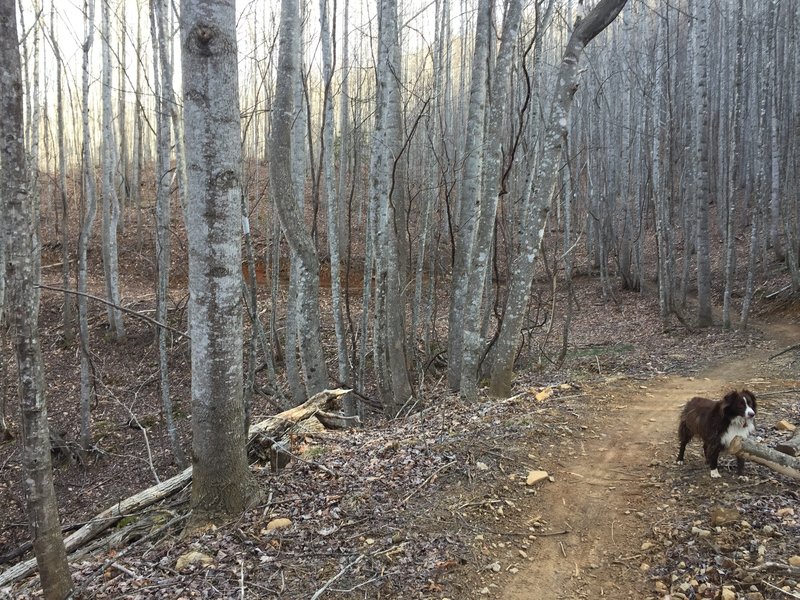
(331, 198)
(90, 196)
(468, 204)
(69, 300)
(110, 198)
(162, 77)
(389, 339)
(23, 262)
(222, 484)
(286, 193)
(702, 189)
(542, 191)
(492, 170)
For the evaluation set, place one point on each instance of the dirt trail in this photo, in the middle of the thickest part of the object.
(603, 497)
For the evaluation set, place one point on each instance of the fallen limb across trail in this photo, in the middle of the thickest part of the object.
(777, 461)
(271, 428)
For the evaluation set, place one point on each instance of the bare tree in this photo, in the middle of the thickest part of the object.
(162, 77)
(466, 210)
(286, 192)
(90, 195)
(542, 190)
(492, 171)
(110, 197)
(22, 267)
(702, 194)
(222, 484)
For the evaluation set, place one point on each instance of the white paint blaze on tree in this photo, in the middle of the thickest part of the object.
(23, 262)
(222, 484)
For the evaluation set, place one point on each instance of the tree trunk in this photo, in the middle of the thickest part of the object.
(542, 191)
(223, 485)
(702, 190)
(492, 170)
(22, 264)
(466, 210)
(69, 301)
(286, 193)
(162, 75)
(110, 199)
(331, 199)
(90, 196)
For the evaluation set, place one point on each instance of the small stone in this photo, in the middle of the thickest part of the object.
(753, 596)
(495, 567)
(192, 558)
(647, 545)
(523, 554)
(281, 523)
(535, 477)
(724, 516)
(701, 532)
(785, 512)
(784, 426)
(661, 587)
(728, 593)
(794, 561)
(484, 591)
(481, 466)
(644, 567)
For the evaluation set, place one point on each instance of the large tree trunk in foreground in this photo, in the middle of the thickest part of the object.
(223, 486)
(23, 260)
(543, 187)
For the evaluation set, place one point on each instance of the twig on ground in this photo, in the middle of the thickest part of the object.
(427, 480)
(330, 581)
(113, 561)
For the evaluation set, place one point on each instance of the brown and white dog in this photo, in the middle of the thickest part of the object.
(717, 423)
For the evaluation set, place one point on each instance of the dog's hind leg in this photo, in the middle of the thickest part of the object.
(685, 436)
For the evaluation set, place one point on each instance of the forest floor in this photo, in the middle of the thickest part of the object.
(437, 504)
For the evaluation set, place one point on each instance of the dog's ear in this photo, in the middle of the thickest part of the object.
(730, 399)
(750, 397)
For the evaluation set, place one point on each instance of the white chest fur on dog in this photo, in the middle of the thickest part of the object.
(739, 426)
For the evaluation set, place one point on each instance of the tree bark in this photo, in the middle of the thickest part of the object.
(286, 193)
(777, 461)
(110, 198)
(90, 195)
(223, 485)
(162, 76)
(542, 191)
(466, 210)
(23, 260)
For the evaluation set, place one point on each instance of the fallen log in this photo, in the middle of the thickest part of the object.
(105, 520)
(265, 433)
(777, 461)
(271, 428)
(792, 446)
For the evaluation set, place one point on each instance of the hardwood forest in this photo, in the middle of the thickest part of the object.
(393, 299)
